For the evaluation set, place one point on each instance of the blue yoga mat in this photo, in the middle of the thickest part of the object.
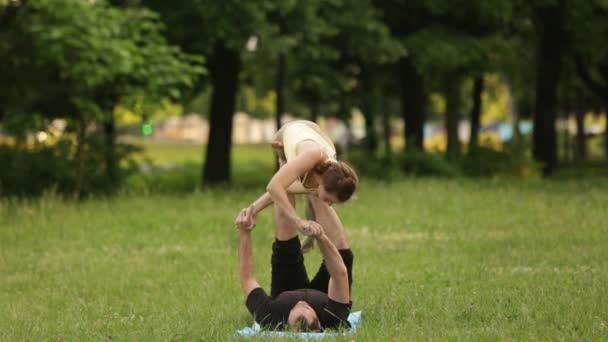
(256, 331)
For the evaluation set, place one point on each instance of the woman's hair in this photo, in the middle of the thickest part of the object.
(338, 178)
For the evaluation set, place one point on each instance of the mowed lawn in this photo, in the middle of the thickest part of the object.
(434, 260)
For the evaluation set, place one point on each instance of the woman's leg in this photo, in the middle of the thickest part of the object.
(309, 213)
(327, 217)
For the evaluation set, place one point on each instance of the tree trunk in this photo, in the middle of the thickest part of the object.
(314, 110)
(513, 108)
(452, 115)
(600, 88)
(367, 107)
(224, 68)
(386, 130)
(109, 128)
(79, 158)
(279, 88)
(344, 114)
(606, 130)
(475, 114)
(581, 140)
(413, 101)
(567, 143)
(371, 139)
(549, 26)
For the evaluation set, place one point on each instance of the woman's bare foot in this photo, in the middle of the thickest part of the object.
(308, 244)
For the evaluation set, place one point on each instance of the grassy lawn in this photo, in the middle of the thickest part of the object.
(434, 260)
(178, 166)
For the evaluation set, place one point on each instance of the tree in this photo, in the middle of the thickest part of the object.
(405, 19)
(366, 47)
(218, 30)
(549, 26)
(88, 57)
(323, 51)
(445, 43)
(587, 29)
(475, 113)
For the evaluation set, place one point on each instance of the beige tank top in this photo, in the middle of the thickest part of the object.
(294, 132)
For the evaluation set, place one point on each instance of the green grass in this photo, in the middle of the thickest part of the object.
(177, 167)
(434, 260)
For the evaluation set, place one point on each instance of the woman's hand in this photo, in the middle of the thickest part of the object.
(310, 228)
(246, 219)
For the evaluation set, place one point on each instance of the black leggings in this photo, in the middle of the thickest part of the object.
(289, 272)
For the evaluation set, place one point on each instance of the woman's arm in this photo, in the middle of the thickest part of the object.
(290, 172)
(261, 203)
(265, 200)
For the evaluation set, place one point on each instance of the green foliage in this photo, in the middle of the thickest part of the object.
(326, 43)
(513, 161)
(409, 163)
(442, 50)
(373, 166)
(197, 25)
(417, 163)
(33, 171)
(80, 59)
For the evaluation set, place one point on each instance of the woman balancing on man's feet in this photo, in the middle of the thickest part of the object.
(295, 301)
(308, 166)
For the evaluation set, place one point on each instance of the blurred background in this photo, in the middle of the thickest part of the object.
(150, 95)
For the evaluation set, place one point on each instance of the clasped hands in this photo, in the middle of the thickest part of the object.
(246, 221)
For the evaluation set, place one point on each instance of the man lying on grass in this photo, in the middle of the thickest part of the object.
(294, 301)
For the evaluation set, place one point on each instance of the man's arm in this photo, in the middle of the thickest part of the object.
(246, 270)
(248, 281)
(338, 281)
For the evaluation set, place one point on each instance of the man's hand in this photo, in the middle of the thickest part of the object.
(310, 228)
(245, 221)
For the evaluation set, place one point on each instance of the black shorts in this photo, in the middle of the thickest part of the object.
(289, 272)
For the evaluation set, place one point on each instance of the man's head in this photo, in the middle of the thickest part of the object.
(303, 314)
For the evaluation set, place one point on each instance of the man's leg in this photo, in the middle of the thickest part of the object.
(327, 217)
(288, 270)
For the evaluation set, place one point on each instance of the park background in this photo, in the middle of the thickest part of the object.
(133, 131)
